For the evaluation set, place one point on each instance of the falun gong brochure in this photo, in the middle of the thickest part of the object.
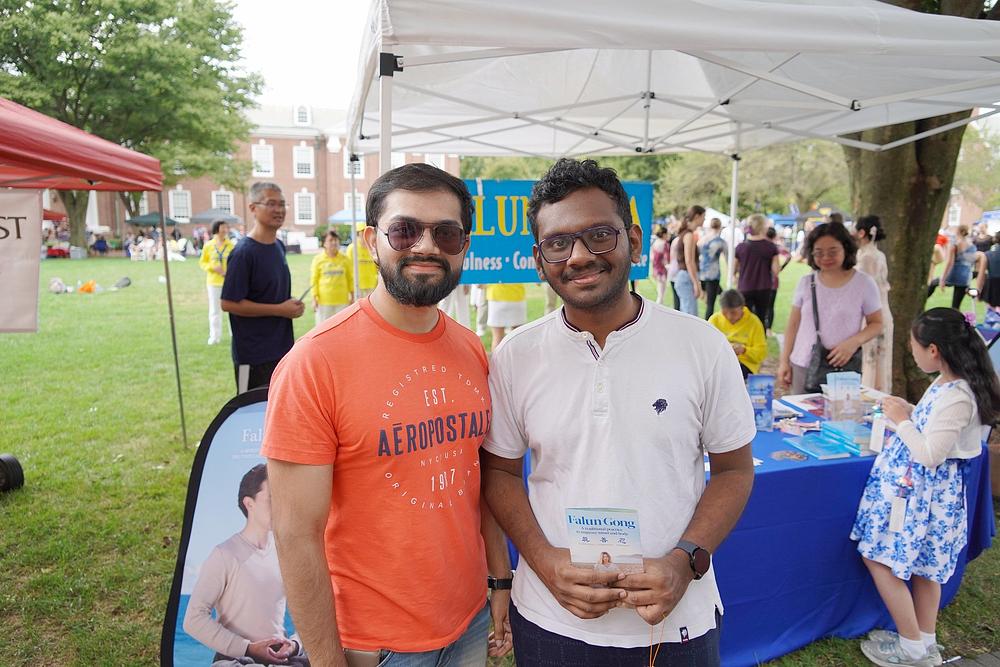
(604, 538)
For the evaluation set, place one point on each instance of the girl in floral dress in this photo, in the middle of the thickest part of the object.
(911, 522)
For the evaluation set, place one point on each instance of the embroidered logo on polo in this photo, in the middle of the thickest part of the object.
(660, 405)
(429, 463)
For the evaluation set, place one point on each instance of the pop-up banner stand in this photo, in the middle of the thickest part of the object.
(227, 590)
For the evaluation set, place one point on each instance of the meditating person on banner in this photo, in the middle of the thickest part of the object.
(847, 312)
(911, 524)
(240, 580)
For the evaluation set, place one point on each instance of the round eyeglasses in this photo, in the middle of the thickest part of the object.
(597, 240)
(404, 234)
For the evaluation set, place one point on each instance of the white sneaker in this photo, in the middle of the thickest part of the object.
(890, 654)
(889, 636)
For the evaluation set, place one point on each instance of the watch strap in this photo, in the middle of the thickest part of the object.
(495, 584)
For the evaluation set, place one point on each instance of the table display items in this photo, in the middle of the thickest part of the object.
(761, 390)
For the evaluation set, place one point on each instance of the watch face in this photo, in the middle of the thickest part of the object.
(702, 561)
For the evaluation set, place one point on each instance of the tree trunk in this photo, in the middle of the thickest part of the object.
(75, 202)
(908, 188)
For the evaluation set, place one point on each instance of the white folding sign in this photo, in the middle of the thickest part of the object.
(20, 245)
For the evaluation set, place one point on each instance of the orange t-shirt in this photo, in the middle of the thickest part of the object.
(400, 417)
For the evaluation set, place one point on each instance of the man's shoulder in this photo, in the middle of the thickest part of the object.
(528, 334)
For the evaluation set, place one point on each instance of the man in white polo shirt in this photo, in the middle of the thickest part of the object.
(616, 398)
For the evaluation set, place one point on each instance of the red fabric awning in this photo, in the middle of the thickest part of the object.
(37, 151)
(55, 216)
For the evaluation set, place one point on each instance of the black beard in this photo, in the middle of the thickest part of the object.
(592, 302)
(425, 290)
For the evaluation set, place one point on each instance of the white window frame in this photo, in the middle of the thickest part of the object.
(215, 200)
(954, 214)
(262, 155)
(305, 196)
(173, 207)
(144, 204)
(296, 117)
(347, 165)
(396, 159)
(299, 153)
(360, 200)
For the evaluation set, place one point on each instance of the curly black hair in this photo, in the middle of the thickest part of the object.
(567, 176)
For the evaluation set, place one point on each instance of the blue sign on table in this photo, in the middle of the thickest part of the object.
(500, 250)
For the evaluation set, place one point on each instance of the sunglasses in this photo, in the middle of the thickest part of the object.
(404, 234)
(598, 240)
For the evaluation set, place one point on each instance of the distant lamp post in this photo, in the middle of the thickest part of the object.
(11, 474)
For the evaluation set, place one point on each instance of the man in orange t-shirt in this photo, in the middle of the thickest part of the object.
(372, 436)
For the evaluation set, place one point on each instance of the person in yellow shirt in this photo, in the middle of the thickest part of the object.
(214, 260)
(367, 271)
(742, 329)
(331, 279)
(507, 307)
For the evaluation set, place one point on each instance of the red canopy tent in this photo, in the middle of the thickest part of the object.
(38, 152)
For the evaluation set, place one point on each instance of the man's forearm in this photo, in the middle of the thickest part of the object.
(508, 500)
(310, 597)
(247, 308)
(720, 506)
(497, 556)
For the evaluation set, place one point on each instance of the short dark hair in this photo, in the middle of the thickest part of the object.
(731, 298)
(567, 176)
(251, 484)
(417, 177)
(332, 233)
(217, 225)
(839, 234)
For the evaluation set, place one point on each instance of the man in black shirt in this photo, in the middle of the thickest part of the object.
(257, 293)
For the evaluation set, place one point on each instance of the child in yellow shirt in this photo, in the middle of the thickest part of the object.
(743, 330)
(331, 279)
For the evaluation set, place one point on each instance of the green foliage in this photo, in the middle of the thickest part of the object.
(158, 76)
(978, 169)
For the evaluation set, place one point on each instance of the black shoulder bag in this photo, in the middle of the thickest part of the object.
(818, 364)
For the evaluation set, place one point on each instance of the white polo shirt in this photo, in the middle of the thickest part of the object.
(625, 427)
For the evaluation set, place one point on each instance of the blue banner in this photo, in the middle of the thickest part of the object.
(500, 250)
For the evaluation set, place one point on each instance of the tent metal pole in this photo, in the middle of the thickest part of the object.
(388, 65)
(354, 222)
(733, 194)
(647, 96)
(173, 326)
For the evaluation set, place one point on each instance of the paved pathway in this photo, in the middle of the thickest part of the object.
(985, 660)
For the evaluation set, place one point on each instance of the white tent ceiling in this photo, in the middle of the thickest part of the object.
(573, 77)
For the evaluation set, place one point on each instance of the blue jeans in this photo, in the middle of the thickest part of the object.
(685, 290)
(535, 647)
(469, 650)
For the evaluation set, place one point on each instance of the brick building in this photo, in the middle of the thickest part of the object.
(298, 147)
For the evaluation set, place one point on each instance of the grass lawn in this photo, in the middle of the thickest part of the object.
(88, 546)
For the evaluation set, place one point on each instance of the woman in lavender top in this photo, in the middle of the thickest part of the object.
(850, 307)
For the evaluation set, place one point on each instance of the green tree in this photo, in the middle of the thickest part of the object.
(157, 76)
(977, 174)
(909, 187)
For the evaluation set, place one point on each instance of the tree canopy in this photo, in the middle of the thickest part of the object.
(158, 76)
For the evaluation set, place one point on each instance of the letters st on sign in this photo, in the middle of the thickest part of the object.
(500, 249)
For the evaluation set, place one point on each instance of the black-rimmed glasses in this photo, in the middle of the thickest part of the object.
(404, 234)
(598, 240)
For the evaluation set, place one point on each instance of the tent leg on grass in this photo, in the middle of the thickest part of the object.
(173, 328)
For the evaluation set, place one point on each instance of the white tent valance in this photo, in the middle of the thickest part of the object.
(566, 77)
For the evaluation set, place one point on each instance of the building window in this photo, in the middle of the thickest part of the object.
(180, 205)
(305, 208)
(303, 115)
(357, 167)
(222, 200)
(263, 159)
(436, 159)
(302, 157)
(397, 160)
(359, 200)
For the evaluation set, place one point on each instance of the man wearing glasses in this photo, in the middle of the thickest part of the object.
(372, 435)
(616, 398)
(257, 293)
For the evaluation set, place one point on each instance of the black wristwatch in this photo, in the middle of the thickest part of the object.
(495, 584)
(699, 558)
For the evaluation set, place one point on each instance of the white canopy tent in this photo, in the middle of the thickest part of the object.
(571, 78)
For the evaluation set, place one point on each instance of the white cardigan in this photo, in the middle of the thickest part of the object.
(953, 430)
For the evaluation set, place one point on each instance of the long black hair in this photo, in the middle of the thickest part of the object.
(872, 227)
(962, 348)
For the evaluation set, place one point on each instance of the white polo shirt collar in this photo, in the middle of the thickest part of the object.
(624, 331)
